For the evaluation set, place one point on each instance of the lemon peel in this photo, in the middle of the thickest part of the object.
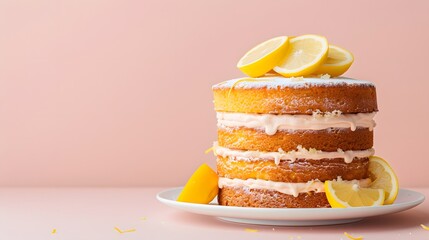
(124, 231)
(268, 79)
(209, 150)
(353, 238)
(244, 80)
(424, 227)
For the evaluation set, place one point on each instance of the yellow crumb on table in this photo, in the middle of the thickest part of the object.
(143, 218)
(424, 227)
(251, 230)
(124, 231)
(353, 238)
(54, 231)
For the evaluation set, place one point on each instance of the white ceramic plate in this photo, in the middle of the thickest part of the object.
(292, 216)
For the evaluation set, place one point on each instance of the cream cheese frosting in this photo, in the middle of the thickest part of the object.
(287, 188)
(300, 153)
(271, 123)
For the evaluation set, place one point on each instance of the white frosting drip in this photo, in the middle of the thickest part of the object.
(300, 153)
(282, 82)
(287, 188)
(271, 123)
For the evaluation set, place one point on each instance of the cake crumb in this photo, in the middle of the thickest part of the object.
(54, 231)
(312, 150)
(325, 76)
(143, 218)
(334, 113)
(424, 227)
(318, 114)
(353, 238)
(251, 230)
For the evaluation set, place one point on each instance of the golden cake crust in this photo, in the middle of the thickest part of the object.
(301, 170)
(261, 198)
(326, 140)
(280, 96)
(345, 98)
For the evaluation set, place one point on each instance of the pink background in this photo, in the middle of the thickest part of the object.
(117, 93)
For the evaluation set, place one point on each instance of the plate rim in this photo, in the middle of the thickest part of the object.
(210, 209)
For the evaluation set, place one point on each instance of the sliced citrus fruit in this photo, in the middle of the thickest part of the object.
(264, 57)
(304, 56)
(348, 194)
(383, 176)
(338, 62)
(202, 187)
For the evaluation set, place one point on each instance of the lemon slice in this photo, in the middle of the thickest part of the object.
(338, 62)
(304, 56)
(383, 176)
(264, 57)
(202, 187)
(347, 194)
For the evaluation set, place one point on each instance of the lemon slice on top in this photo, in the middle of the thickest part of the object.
(202, 187)
(338, 62)
(304, 56)
(383, 177)
(264, 57)
(346, 194)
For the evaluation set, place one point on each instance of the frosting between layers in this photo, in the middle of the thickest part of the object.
(282, 82)
(287, 188)
(300, 153)
(271, 123)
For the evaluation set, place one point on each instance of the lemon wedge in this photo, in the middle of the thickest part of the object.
(202, 187)
(383, 176)
(338, 62)
(264, 57)
(347, 194)
(304, 56)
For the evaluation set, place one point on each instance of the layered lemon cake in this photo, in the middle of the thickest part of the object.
(280, 138)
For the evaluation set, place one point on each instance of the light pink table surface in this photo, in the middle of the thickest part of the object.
(92, 213)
